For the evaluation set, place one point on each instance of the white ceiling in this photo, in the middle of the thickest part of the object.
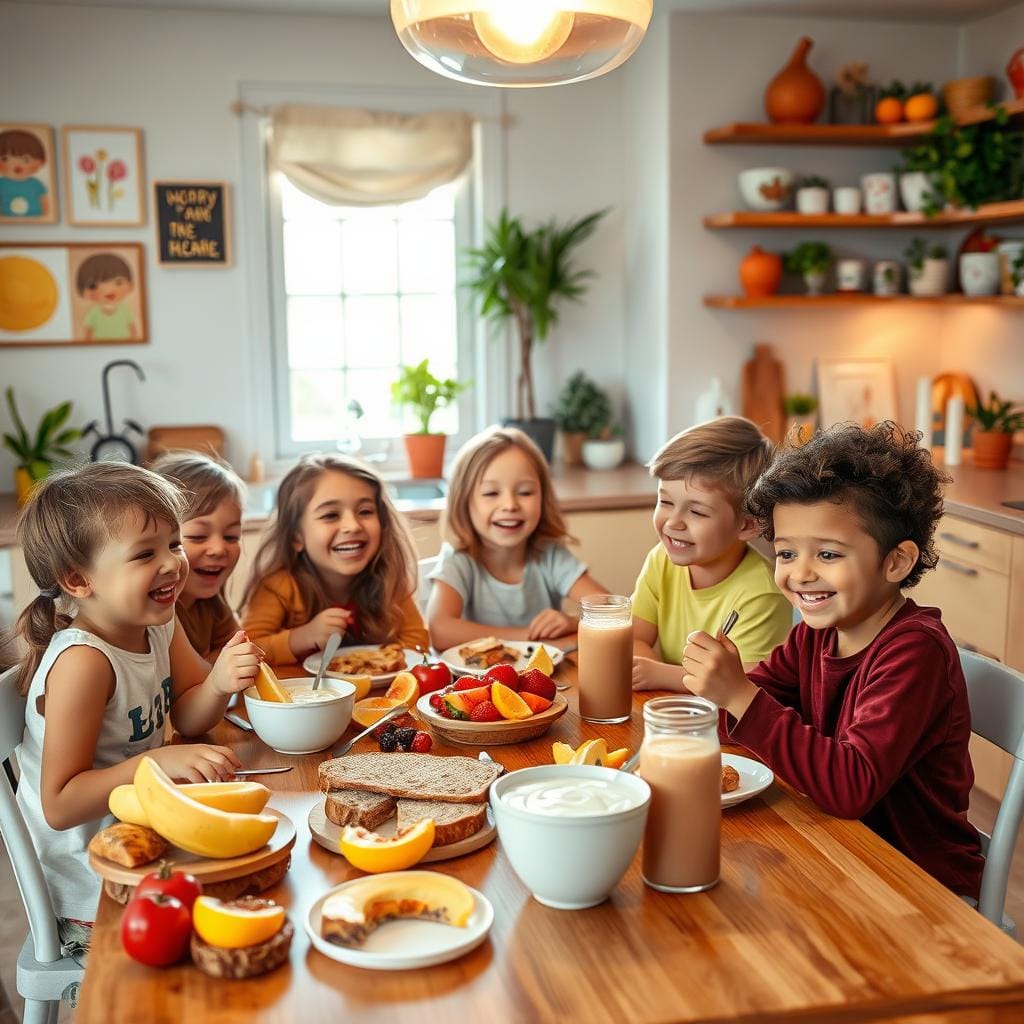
(896, 10)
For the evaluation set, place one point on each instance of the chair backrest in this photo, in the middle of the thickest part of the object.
(35, 896)
(426, 567)
(996, 694)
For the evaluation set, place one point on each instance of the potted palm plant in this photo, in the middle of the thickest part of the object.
(582, 407)
(995, 422)
(420, 391)
(37, 454)
(521, 276)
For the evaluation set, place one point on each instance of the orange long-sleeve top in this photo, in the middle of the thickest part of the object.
(276, 608)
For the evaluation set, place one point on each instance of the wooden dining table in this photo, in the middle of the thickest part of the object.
(814, 919)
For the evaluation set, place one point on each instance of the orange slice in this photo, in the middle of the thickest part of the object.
(404, 689)
(269, 687)
(372, 709)
(373, 853)
(534, 703)
(616, 759)
(234, 927)
(361, 683)
(509, 703)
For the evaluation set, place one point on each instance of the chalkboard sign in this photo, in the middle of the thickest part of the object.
(192, 223)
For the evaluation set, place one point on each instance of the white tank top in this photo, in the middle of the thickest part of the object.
(132, 724)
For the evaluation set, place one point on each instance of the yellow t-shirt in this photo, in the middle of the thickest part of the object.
(665, 597)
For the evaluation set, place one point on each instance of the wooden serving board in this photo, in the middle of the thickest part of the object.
(206, 869)
(205, 439)
(491, 734)
(327, 834)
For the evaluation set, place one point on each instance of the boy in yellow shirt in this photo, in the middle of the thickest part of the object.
(703, 567)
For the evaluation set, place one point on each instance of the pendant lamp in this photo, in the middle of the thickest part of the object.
(521, 43)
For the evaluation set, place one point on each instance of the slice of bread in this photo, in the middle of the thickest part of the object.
(452, 822)
(454, 779)
(356, 807)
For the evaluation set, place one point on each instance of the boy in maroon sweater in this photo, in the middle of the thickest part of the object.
(864, 707)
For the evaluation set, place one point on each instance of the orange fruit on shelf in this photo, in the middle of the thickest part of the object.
(509, 703)
(405, 689)
(889, 110)
(373, 853)
(268, 686)
(535, 703)
(372, 709)
(922, 106)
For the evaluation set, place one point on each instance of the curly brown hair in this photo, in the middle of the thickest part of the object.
(880, 473)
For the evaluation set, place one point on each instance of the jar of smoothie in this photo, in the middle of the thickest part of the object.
(681, 760)
(606, 658)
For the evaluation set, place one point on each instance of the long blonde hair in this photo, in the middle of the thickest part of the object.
(379, 589)
(64, 525)
(472, 460)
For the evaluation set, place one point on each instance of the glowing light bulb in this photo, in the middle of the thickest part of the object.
(523, 31)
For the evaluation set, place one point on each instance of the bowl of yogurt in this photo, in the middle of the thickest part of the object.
(570, 831)
(313, 721)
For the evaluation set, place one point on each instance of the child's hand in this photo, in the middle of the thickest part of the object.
(313, 636)
(551, 623)
(713, 669)
(236, 666)
(649, 674)
(197, 762)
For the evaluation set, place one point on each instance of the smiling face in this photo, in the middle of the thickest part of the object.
(212, 544)
(19, 167)
(340, 528)
(697, 523)
(109, 292)
(505, 505)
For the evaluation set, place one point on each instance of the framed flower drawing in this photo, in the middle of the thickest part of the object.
(103, 176)
(861, 391)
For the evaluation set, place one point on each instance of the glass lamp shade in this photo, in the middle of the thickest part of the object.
(521, 43)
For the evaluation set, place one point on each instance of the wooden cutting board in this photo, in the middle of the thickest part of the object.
(205, 439)
(762, 387)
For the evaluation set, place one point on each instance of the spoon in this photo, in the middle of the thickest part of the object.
(393, 713)
(330, 649)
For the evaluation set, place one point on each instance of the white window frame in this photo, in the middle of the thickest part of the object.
(483, 356)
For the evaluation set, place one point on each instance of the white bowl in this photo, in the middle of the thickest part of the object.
(766, 188)
(603, 454)
(571, 862)
(302, 728)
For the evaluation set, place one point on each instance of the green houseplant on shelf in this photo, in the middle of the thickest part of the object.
(582, 407)
(799, 409)
(522, 276)
(419, 391)
(995, 423)
(812, 260)
(38, 453)
(927, 268)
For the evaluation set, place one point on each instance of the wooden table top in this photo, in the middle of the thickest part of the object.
(814, 918)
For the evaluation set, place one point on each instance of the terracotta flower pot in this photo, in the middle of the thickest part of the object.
(426, 455)
(991, 449)
(23, 484)
(795, 94)
(760, 272)
(572, 446)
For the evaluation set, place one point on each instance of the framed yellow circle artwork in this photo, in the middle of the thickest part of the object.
(28, 293)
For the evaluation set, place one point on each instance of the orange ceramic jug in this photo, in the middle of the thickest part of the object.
(760, 272)
(795, 94)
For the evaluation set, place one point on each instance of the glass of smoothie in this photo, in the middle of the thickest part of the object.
(606, 658)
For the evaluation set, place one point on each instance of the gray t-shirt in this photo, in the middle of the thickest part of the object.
(547, 579)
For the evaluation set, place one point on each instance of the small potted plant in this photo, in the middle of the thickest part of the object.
(917, 178)
(418, 390)
(605, 448)
(582, 407)
(979, 267)
(799, 409)
(927, 268)
(812, 195)
(37, 454)
(812, 260)
(995, 423)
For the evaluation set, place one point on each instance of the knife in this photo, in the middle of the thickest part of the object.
(393, 713)
(236, 719)
(242, 772)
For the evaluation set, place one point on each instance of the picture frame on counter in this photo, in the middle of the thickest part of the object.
(28, 174)
(104, 176)
(72, 293)
(861, 391)
(193, 223)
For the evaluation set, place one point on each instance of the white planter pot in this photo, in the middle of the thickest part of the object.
(887, 277)
(815, 281)
(603, 454)
(850, 276)
(913, 189)
(930, 279)
(812, 200)
(879, 192)
(846, 199)
(979, 273)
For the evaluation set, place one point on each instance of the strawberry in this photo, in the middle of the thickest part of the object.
(421, 743)
(485, 711)
(436, 701)
(466, 683)
(504, 674)
(535, 681)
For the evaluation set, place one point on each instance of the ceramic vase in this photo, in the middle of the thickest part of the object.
(930, 280)
(760, 272)
(846, 199)
(991, 449)
(850, 275)
(979, 273)
(914, 188)
(795, 94)
(812, 200)
(426, 455)
(879, 192)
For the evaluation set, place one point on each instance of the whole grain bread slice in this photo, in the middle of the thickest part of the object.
(356, 807)
(452, 822)
(454, 779)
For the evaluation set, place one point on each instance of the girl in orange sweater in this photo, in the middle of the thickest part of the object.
(337, 557)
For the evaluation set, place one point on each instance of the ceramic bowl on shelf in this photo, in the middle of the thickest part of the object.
(766, 188)
(598, 454)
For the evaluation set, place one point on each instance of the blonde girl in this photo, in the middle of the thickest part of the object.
(505, 566)
(211, 534)
(103, 543)
(338, 556)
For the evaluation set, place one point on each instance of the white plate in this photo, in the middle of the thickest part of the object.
(312, 663)
(407, 944)
(754, 778)
(454, 661)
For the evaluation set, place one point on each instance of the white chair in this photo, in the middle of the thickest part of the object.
(44, 977)
(426, 567)
(996, 694)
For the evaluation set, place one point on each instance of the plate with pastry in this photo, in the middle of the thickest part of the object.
(743, 778)
(399, 920)
(476, 657)
(381, 662)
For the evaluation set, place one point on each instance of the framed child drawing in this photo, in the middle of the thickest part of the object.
(103, 176)
(71, 294)
(861, 391)
(28, 193)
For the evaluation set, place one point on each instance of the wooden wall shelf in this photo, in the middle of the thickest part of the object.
(851, 299)
(990, 213)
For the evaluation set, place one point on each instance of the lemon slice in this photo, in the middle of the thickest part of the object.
(562, 753)
(540, 659)
(404, 689)
(269, 687)
(234, 927)
(591, 752)
(373, 853)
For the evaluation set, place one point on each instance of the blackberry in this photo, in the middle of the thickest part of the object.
(388, 742)
(404, 738)
(381, 730)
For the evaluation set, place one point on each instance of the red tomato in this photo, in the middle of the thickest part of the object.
(179, 884)
(432, 677)
(502, 674)
(155, 929)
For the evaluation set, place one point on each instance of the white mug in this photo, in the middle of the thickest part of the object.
(846, 199)
(879, 192)
(850, 275)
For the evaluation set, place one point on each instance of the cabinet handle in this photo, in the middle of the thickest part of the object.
(956, 567)
(962, 541)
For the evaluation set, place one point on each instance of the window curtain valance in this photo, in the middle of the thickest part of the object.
(350, 157)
